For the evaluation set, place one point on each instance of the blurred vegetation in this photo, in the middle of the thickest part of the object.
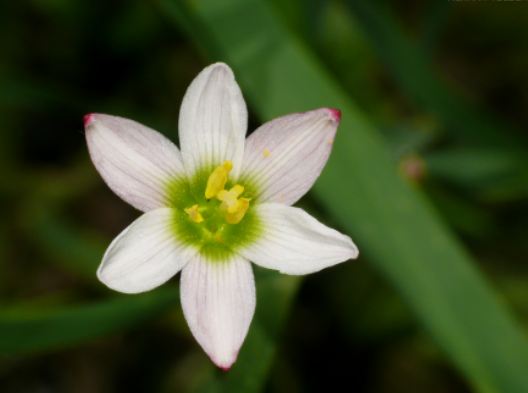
(429, 175)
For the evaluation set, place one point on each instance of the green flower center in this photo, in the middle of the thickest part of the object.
(212, 214)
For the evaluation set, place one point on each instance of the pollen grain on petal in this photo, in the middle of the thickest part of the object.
(266, 153)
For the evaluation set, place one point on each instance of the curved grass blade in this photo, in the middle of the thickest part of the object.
(26, 329)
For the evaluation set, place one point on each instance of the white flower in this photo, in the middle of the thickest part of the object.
(217, 204)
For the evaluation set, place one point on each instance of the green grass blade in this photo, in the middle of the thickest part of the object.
(492, 173)
(68, 246)
(26, 329)
(393, 225)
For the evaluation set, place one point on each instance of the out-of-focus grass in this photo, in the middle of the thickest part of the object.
(32, 329)
(500, 168)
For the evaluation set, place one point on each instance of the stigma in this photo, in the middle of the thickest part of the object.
(194, 214)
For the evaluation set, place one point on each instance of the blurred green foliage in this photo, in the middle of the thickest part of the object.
(429, 167)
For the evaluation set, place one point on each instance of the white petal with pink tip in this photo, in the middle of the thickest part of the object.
(286, 155)
(135, 161)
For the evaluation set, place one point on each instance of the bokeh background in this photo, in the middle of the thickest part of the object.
(429, 175)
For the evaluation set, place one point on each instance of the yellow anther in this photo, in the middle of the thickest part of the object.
(266, 153)
(230, 198)
(238, 214)
(217, 179)
(232, 207)
(237, 189)
(194, 213)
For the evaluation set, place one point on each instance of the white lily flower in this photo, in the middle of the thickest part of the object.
(216, 205)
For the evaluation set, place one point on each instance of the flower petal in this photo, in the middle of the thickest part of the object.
(287, 155)
(145, 255)
(213, 120)
(135, 161)
(294, 242)
(218, 301)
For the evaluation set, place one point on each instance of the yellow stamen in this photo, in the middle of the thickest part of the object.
(194, 214)
(217, 179)
(233, 207)
(238, 214)
(230, 198)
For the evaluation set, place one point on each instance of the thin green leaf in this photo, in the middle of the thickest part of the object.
(27, 329)
(486, 171)
(74, 249)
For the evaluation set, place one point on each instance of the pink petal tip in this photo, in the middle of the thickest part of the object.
(335, 114)
(88, 119)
